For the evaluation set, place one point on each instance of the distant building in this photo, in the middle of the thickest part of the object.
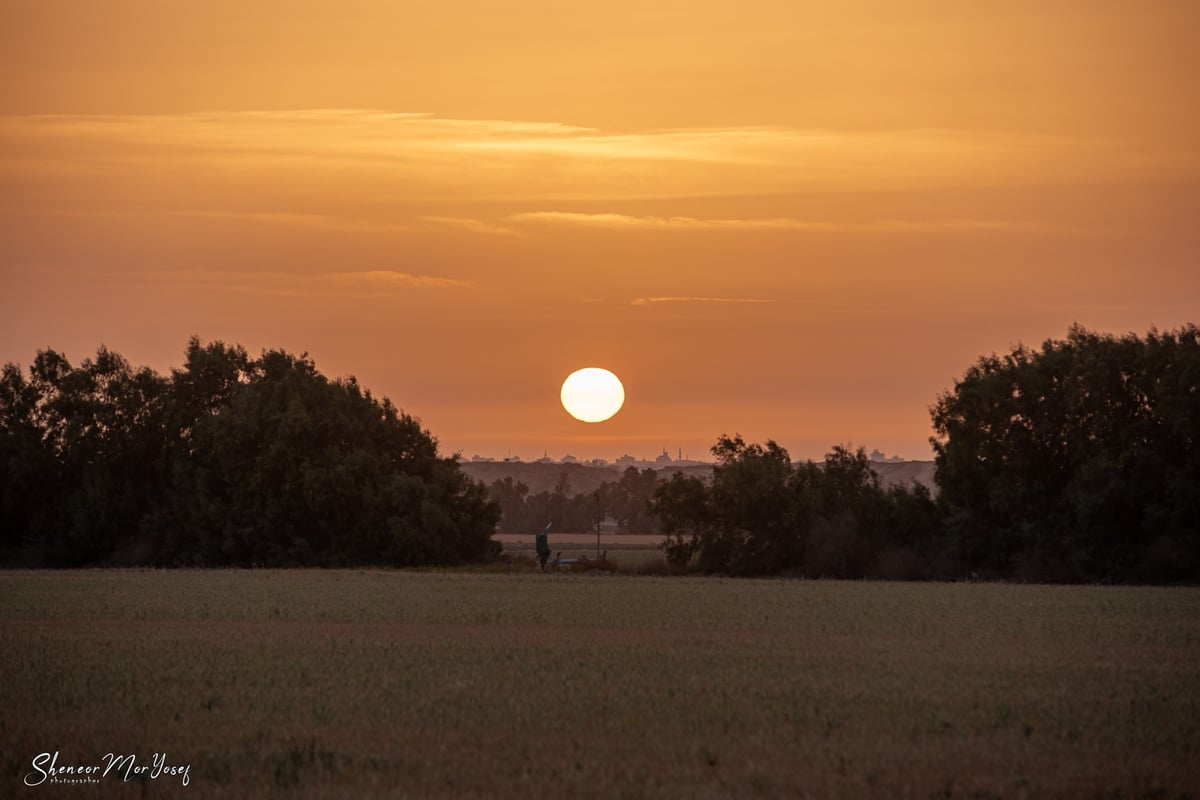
(663, 460)
(626, 461)
(545, 459)
(478, 459)
(598, 462)
(879, 457)
(568, 459)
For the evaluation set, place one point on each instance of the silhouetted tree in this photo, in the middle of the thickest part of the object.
(761, 514)
(83, 455)
(1079, 461)
(29, 471)
(681, 506)
(510, 496)
(232, 460)
(628, 500)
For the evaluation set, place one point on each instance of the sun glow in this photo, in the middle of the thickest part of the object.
(592, 394)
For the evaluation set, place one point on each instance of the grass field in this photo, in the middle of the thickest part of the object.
(399, 684)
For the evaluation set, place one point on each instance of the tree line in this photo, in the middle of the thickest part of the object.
(1075, 462)
(1078, 461)
(625, 503)
(762, 514)
(230, 460)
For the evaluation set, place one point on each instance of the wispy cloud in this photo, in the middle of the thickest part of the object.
(472, 225)
(363, 283)
(328, 222)
(628, 222)
(646, 301)
(392, 278)
(322, 221)
(368, 156)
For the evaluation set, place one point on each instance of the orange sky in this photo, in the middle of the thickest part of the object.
(794, 220)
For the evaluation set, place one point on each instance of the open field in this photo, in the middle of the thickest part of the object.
(325, 684)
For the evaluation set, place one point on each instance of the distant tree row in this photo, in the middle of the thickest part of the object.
(626, 502)
(1076, 462)
(762, 515)
(231, 460)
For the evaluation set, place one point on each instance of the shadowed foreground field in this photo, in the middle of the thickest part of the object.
(380, 683)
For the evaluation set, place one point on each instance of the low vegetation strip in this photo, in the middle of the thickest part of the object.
(320, 684)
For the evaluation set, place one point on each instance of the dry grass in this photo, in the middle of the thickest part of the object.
(376, 683)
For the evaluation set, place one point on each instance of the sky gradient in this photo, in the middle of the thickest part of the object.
(792, 220)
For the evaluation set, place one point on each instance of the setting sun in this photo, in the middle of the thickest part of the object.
(592, 394)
